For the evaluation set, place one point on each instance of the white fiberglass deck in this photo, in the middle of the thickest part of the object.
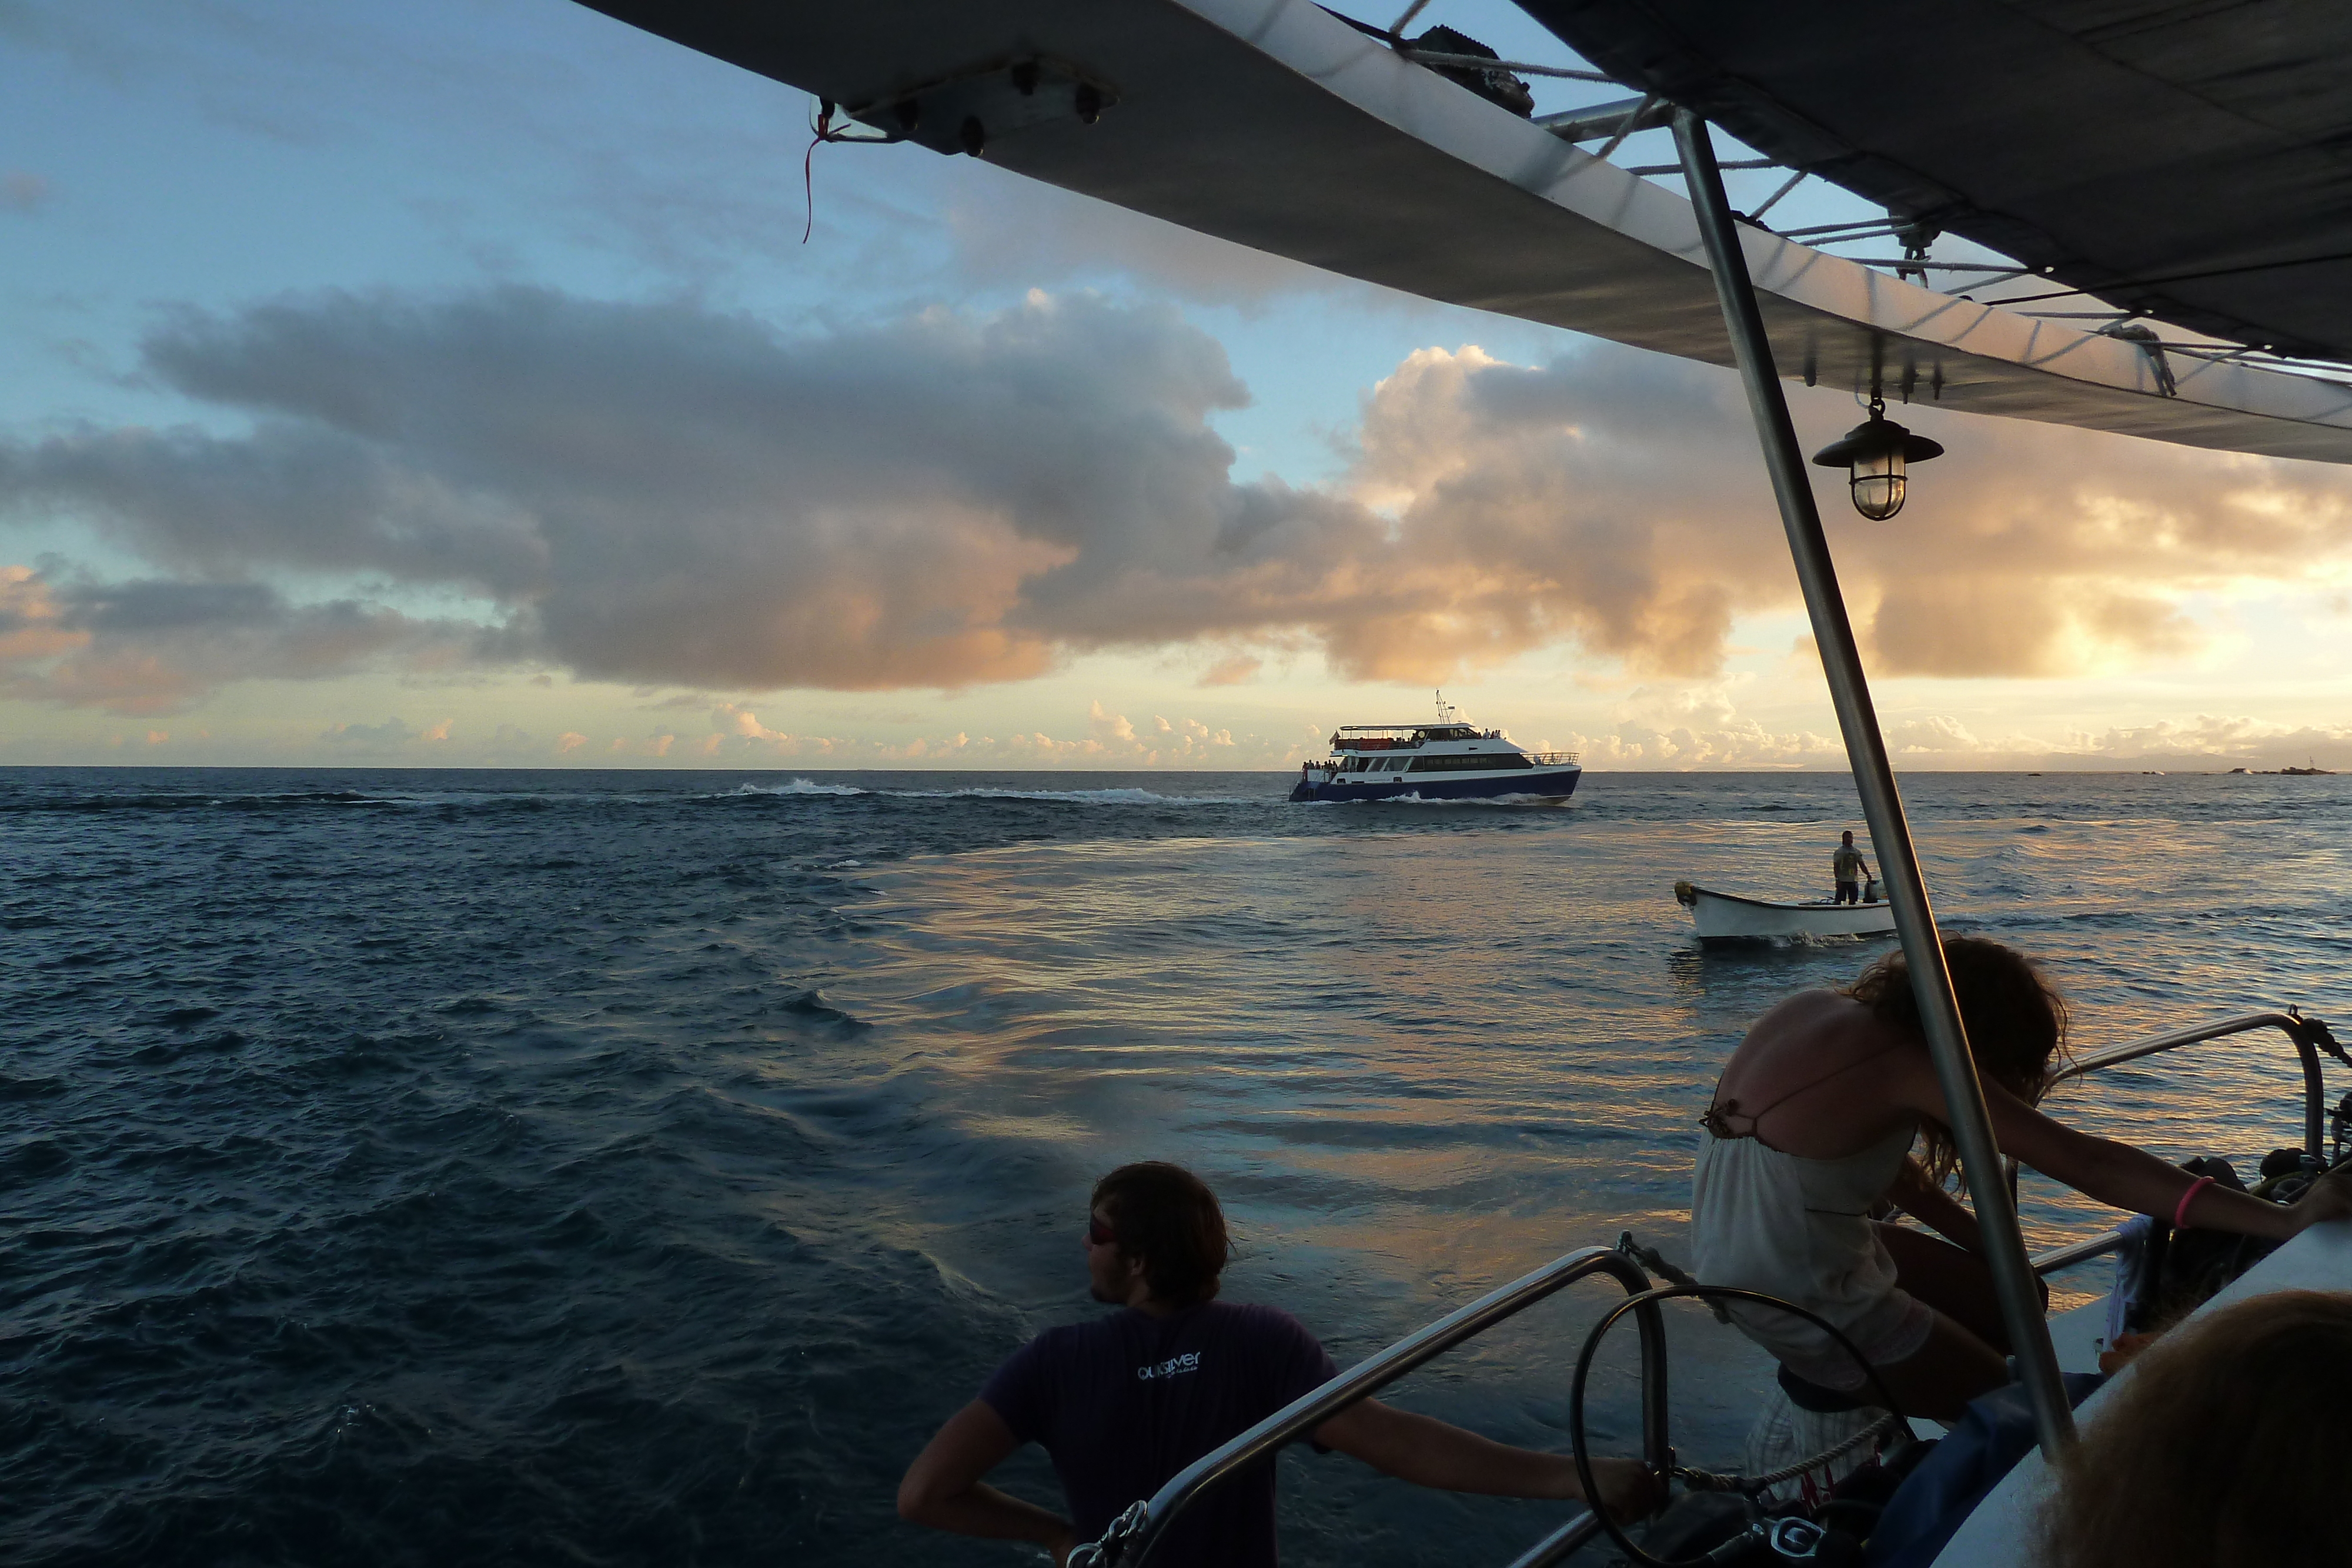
(1999, 1535)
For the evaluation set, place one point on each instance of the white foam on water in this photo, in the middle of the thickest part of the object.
(1125, 797)
(794, 787)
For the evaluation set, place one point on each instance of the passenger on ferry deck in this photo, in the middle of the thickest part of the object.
(1121, 1404)
(1811, 1134)
(2225, 1449)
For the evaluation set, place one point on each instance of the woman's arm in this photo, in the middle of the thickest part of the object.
(2115, 1174)
(1916, 1195)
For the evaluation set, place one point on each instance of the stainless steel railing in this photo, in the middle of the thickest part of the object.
(2075, 1252)
(2309, 1036)
(1129, 1543)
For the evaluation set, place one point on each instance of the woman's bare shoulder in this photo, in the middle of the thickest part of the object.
(1819, 1027)
(1808, 1012)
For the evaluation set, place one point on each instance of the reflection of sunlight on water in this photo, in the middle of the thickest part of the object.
(1419, 1060)
(1418, 1063)
(1414, 1068)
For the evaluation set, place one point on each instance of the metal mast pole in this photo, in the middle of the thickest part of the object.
(1882, 803)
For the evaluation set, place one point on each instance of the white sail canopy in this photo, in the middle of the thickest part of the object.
(2188, 161)
(1275, 124)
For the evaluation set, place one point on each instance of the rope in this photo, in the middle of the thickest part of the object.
(1707, 1481)
(1111, 1549)
(1650, 1257)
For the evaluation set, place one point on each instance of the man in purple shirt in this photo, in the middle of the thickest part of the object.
(1123, 1403)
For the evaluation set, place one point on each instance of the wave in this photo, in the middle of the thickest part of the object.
(795, 787)
(201, 800)
(1078, 797)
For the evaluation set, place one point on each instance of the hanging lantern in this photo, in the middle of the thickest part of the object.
(1874, 455)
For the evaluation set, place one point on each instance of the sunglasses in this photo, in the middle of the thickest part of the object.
(1098, 1233)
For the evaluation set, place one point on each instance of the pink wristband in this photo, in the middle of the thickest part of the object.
(2181, 1215)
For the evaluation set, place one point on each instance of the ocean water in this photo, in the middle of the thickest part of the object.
(634, 1168)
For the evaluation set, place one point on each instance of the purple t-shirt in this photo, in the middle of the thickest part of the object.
(1123, 1403)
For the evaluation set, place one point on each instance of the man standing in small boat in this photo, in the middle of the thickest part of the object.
(1847, 867)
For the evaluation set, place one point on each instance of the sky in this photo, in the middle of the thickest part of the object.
(449, 384)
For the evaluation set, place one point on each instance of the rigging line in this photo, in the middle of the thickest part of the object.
(1402, 23)
(808, 187)
(1625, 126)
(2193, 276)
(808, 166)
(1728, 163)
(1517, 68)
(1773, 200)
(1889, 224)
(1921, 263)
(2211, 353)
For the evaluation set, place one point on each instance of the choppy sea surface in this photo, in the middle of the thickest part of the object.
(634, 1168)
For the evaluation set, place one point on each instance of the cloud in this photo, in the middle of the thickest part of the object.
(1107, 739)
(2211, 741)
(731, 719)
(1938, 733)
(666, 494)
(392, 732)
(158, 646)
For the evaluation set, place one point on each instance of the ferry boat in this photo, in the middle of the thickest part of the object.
(1445, 760)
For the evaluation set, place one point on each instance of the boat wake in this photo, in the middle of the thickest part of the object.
(1450, 803)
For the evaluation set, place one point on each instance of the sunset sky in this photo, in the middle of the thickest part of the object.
(447, 383)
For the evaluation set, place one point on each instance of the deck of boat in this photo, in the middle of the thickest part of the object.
(2000, 1534)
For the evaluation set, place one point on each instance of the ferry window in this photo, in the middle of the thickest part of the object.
(1494, 762)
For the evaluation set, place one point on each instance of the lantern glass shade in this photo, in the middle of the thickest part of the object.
(1878, 484)
(1874, 455)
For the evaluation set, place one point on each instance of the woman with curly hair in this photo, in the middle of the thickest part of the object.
(1810, 1135)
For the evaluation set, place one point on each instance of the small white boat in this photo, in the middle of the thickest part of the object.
(1728, 917)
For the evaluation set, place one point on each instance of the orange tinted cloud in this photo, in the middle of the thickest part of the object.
(664, 493)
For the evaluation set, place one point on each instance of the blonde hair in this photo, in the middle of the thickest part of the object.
(2224, 1450)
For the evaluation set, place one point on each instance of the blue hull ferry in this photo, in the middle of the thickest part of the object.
(1447, 760)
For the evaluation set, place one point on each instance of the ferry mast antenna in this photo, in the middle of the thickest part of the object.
(1881, 801)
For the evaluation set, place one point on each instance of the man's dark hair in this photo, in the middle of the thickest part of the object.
(1168, 1216)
